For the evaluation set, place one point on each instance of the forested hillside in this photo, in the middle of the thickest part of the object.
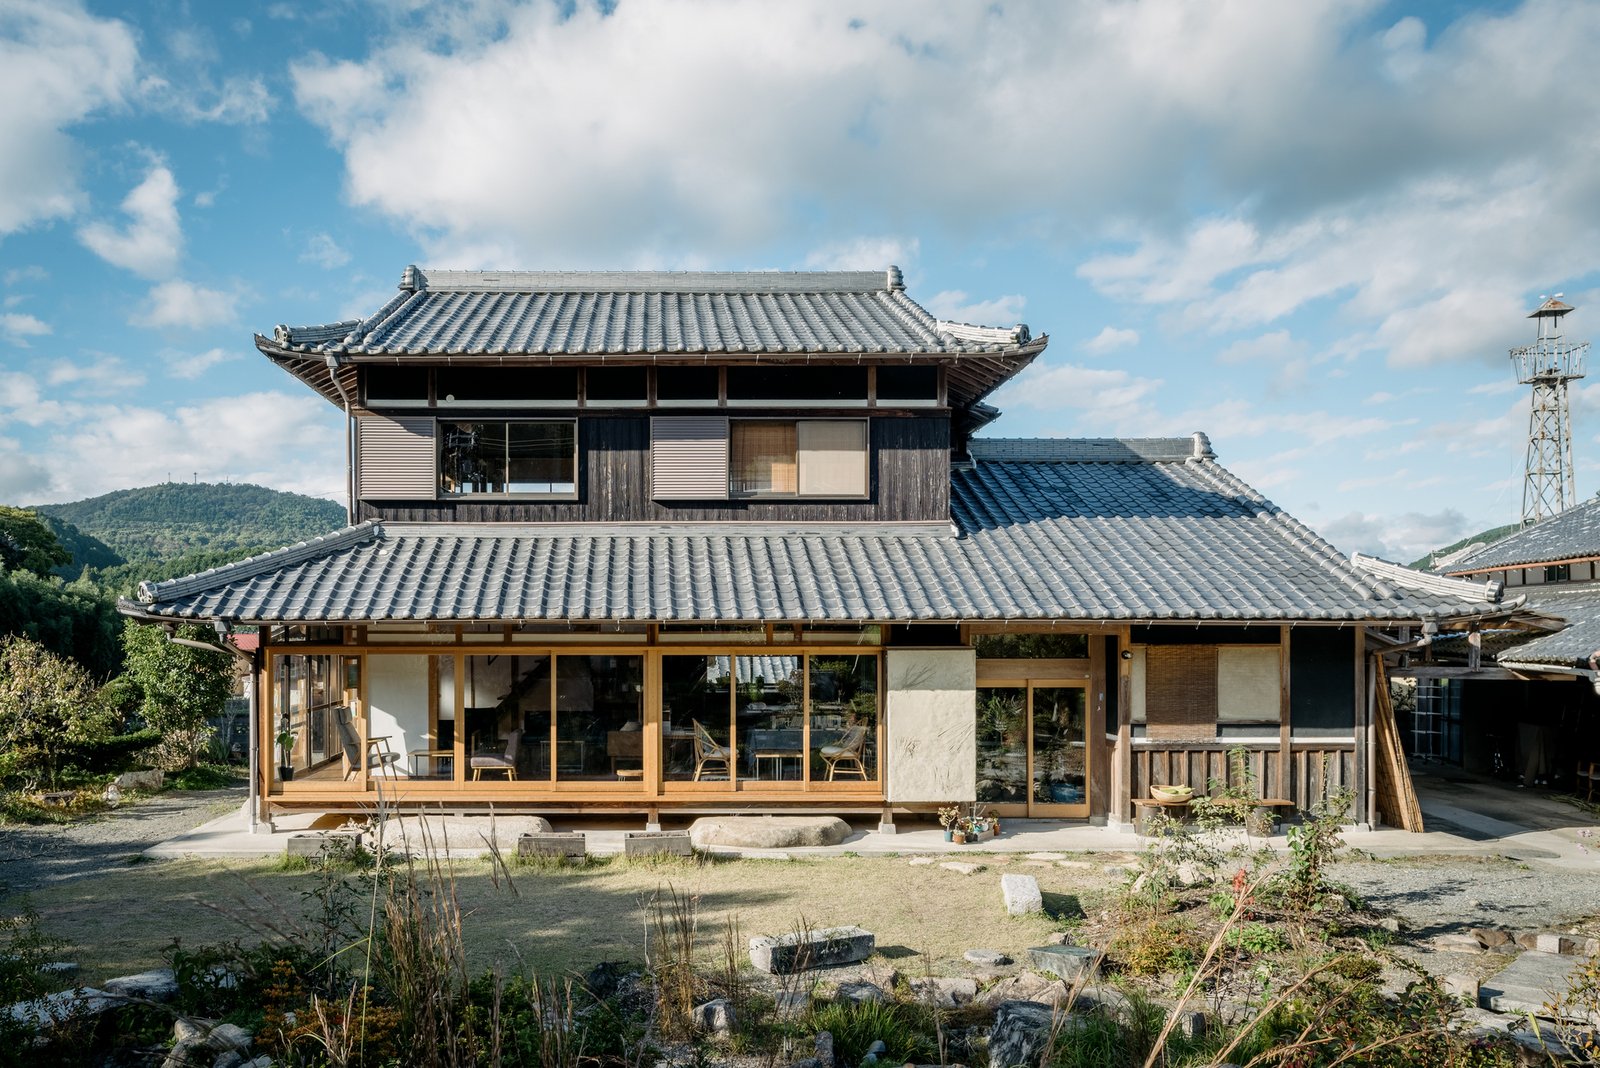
(1486, 537)
(156, 524)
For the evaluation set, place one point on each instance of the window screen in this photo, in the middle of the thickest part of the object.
(832, 457)
(763, 458)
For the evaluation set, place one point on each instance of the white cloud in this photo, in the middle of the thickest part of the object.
(31, 273)
(322, 250)
(152, 241)
(1403, 538)
(289, 441)
(16, 328)
(1495, 389)
(864, 254)
(106, 375)
(58, 66)
(1110, 339)
(186, 305)
(237, 101)
(186, 366)
(1276, 347)
(956, 306)
(1383, 396)
(1097, 399)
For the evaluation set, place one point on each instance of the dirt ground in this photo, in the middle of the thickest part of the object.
(566, 919)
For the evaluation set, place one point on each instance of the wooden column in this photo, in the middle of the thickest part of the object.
(1122, 760)
(1286, 786)
(1365, 786)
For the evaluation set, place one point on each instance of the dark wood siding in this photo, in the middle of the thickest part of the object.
(910, 482)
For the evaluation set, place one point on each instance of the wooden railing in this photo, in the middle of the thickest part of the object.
(1315, 767)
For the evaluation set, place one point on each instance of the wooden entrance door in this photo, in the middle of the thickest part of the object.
(1033, 752)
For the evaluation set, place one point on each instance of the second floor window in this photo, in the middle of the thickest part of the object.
(508, 457)
(798, 458)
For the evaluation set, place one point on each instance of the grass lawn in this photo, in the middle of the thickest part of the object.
(566, 919)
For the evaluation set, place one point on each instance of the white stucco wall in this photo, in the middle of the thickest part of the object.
(397, 702)
(932, 721)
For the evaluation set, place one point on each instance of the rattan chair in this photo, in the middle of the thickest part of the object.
(846, 751)
(708, 751)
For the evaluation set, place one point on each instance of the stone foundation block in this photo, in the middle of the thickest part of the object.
(1071, 963)
(564, 844)
(657, 843)
(1021, 894)
(799, 951)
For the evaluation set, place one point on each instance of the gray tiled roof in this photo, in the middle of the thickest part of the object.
(642, 312)
(1572, 535)
(1131, 539)
(495, 316)
(1579, 605)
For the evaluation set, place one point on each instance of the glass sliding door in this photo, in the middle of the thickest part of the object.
(1033, 754)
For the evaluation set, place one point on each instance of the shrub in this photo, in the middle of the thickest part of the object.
(48, 706)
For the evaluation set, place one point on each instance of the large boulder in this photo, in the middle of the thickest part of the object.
(418, 834)
(1021, 1030)
(767, 832)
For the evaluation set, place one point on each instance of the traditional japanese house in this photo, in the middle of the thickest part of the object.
(651, 542)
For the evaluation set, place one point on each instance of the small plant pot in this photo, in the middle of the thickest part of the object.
(948, 835)
(959, 837)
(285, 774)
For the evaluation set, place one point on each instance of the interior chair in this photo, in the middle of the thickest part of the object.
(708, 751)
(506, 762)
(380, 758)
(1588, 773)
(846, 752)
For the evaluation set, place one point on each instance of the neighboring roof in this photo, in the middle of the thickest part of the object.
(559, 316)
(1579, 605)
(1572, 535)
(1138, 530)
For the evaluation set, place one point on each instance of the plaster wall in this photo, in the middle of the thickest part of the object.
(932, 725)
(397, 702)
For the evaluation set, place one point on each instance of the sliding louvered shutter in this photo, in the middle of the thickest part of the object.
(689, 458)
(396, 459)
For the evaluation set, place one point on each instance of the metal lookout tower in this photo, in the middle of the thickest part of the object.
(1548, 365)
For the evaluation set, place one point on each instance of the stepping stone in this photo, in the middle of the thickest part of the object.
(1022, 894)
(1036, 864)
(1047, 856)
(1079, 865)
(1066, 962)
(1527, 983)
(920, 860)
(768, 832)
(986, 958)
(961, 867)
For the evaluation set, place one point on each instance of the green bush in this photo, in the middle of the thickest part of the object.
(204, 777)
(856, 1026)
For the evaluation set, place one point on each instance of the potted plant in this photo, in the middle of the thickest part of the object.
(285, 755)
(949, 816)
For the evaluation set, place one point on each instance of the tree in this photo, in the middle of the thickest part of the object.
(183, 687)
(27, 544)
(48, 705)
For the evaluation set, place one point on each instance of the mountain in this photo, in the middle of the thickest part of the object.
(210, 522)
(1440, 556)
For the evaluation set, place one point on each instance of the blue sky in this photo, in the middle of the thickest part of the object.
(1310, 229)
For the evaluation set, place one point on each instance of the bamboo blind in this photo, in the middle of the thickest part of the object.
(1181, 692)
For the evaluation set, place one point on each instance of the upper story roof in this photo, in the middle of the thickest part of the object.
(507, 317)
(1097, 530)
(1572, 535)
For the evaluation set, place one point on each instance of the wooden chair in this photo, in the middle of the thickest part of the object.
(708, 751)
(380, 757)
(846, 751)
(506, 762)
(1586, 777)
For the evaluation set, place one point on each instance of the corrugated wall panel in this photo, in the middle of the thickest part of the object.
(689, 458)
(396, 459)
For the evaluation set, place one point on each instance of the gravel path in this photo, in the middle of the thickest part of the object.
(36, 856)
(1433, 895)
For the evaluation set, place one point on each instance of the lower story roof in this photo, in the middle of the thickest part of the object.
(1052, 530)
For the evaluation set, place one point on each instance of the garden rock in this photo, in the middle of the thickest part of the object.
(414, 834)
(1027, 986)
(210, 1044)
(944, 993)
(1457, 943)
(799, 951)
(1021, 1030)
(1066, 962)
(915, 861)
(1464, 987)
(147, 781)
(1021, 894)
(860, 993)
(43, 1014)
(986, 958)
(791, 1002)
(715, 1017)
(156, 985)
(1047, 856)
(824, 1049)
(961, 867)
(767, 832)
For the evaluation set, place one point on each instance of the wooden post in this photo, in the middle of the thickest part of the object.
(1122, 763)
(1365, 788)
(1287, 787)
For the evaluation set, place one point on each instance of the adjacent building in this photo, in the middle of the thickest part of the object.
(693, 542)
